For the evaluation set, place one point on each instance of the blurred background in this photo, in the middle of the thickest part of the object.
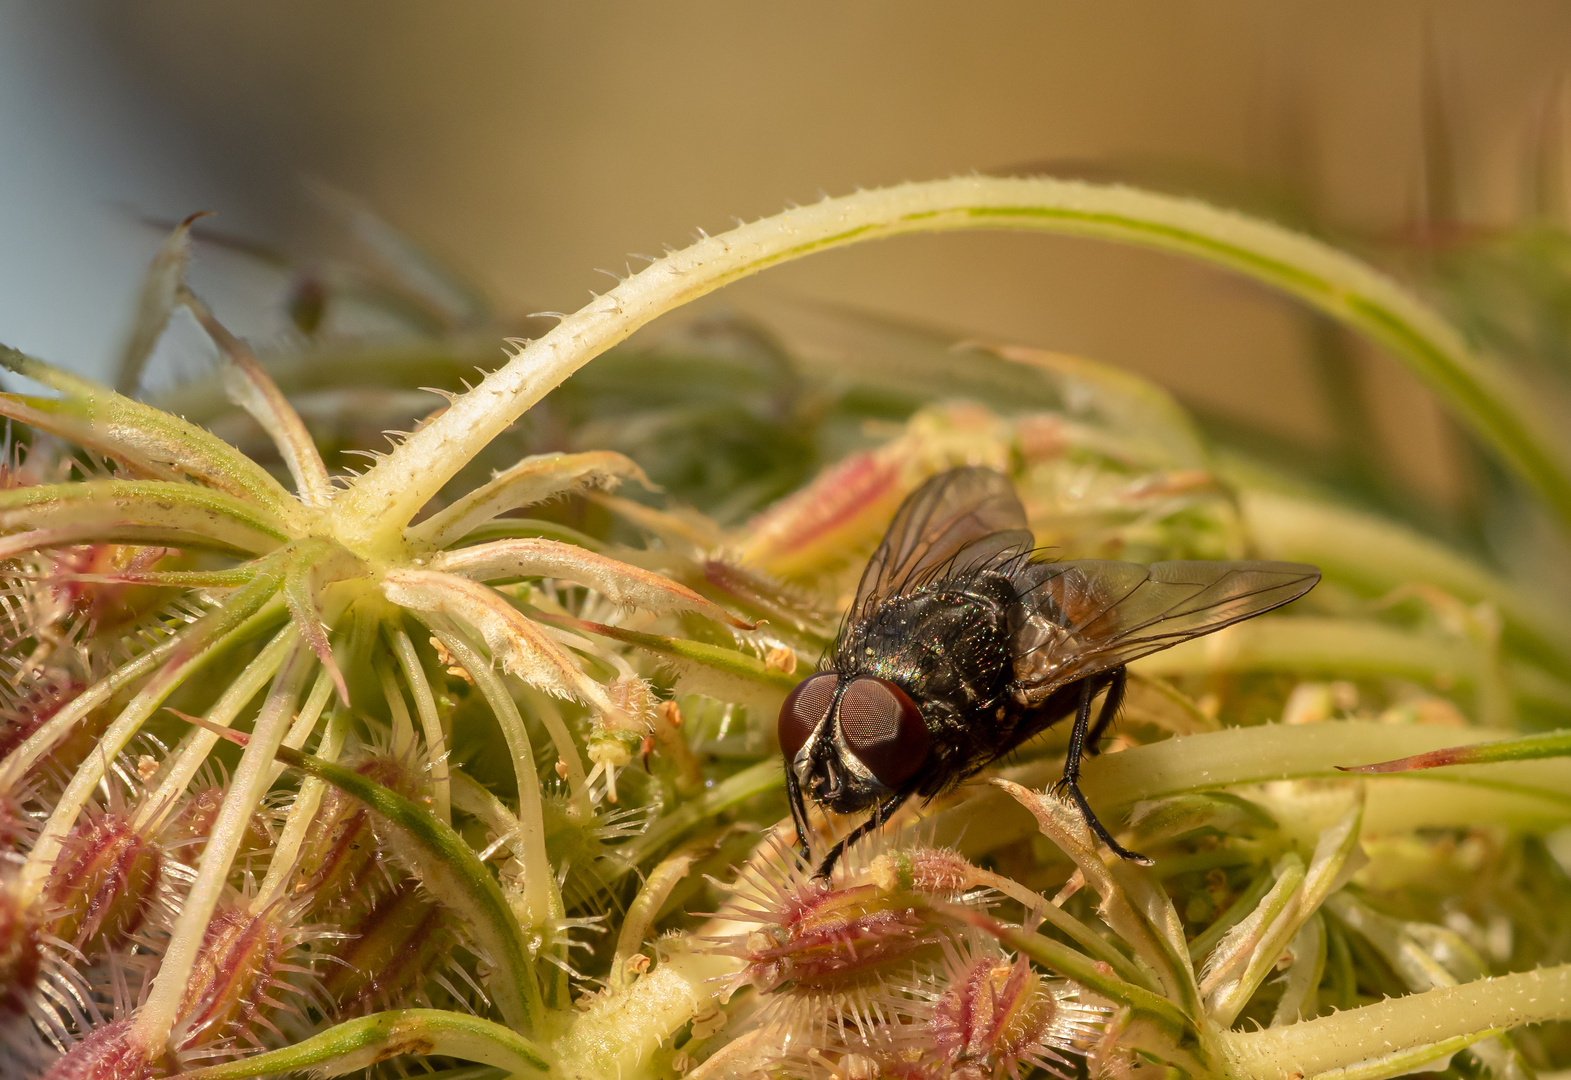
(529, 144)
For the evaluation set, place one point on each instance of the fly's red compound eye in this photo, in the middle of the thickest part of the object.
(884, 729)
(804, 709)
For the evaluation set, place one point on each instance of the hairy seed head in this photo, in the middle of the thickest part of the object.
(390, 952)
(106, 1053)
(228, 989)
(103, 883)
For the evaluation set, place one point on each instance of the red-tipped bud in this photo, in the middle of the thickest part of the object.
(106, 1053)
(390, 952)
(188, 829)
(103, 883)
(338, 859)
(43, 695)
(228, 991)
(824, 936)
(992, 1015)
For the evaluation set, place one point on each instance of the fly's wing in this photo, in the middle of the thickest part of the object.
(1078, 618)
(954, 522)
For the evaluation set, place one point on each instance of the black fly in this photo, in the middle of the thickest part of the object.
(960, 646)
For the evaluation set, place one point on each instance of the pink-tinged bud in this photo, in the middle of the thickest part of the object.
(816, 937)
(391, 952)
(105, 607)
(189, 827)
(24, 711)
(20, 959)
(829, 936)
(338, 863)
(228, 992)
(991, 1016)
(107, 1053)
(103, 883)
(842, 510)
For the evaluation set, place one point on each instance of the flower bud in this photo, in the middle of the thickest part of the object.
(103, 883)
(390, 952)
(228, 993)
(338, 866)
(106, 1053)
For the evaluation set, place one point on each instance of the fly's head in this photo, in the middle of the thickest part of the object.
(851, 741)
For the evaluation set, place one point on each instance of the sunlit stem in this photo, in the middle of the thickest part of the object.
(539, 881)
(1398, 1034)
(430, 722)
(157, 1016)
(1483, 396)
(652, 895)
(155, 810)
(250, 387)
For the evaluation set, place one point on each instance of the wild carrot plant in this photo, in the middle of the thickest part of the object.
(309, 769)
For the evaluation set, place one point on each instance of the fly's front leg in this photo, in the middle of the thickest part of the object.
(880, 815)
(798, 813)
(1070, 784)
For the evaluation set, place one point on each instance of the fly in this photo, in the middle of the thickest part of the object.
(960, 646)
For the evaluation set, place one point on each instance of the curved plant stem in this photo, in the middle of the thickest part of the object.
(455, 876)
(155, 810)
(386, 498)
(302, 812)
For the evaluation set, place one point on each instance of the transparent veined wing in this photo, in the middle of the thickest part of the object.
(1081, 617)
(954, 522)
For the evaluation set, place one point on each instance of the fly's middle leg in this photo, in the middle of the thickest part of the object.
(1070, 783)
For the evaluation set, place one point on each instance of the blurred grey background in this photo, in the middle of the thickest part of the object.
(533, 142)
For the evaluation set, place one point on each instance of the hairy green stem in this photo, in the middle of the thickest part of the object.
(1484, 397)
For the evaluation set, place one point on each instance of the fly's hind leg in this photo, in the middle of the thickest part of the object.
(1118, 680)
(880, 814)
(1070, 784)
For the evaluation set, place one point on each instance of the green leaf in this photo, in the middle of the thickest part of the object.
(186, 508)
(94, 416)
(359, 1044)
(1528, 748)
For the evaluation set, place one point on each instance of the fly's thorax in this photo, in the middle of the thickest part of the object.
(947, 644)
